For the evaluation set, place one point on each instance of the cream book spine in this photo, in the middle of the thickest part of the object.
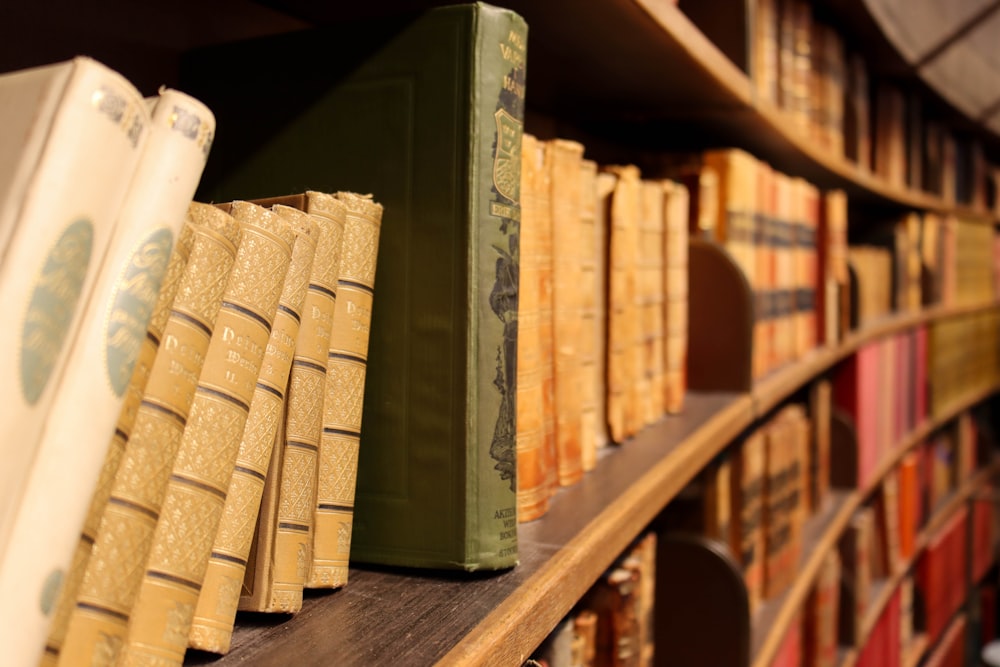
(347, 364)
(111, 581)
(160, 621)
(62, 192)
(90, 393)
(212, 627)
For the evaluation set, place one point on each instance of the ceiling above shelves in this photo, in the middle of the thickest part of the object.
(954, 45)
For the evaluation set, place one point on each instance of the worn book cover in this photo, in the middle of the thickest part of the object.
(426, 114)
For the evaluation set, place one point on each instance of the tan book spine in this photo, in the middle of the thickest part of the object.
(591, 380)
(160, 621)
(546, 325)
(116, 448)
(345, 389)
(675, 289)
(624, 365)
(533, 490)
(284, 528)
(564, 165)
(651, 299)
(212, 627)
(111, 582)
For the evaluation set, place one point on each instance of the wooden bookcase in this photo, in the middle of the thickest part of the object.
(630, 79)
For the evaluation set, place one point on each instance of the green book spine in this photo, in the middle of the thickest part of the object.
(425, 113)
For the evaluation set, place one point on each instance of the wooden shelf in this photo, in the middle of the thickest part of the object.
(425, 617)
(386, 616)
(770, 391)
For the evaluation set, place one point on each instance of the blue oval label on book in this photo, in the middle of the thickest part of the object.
(51, 588)
(132, 304)
(53, 302)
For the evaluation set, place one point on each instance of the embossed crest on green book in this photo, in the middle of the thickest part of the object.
(425, 113)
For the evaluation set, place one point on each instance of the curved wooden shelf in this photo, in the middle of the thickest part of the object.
(770, 391)
(822, 532)
(425, 617)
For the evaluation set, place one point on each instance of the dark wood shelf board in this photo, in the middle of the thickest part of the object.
(388, 616)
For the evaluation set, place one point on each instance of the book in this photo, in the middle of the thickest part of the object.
(436, 475)
(820, 632)
(79, 123)
(114, 571)
(675, 290)
(563, 160)
(229, 388)
(748, 542)
(533, 488)
(212, 623)
(345, 388)
(278, 566)
(651, 299)
(624, 332)
(854, 549)
(590, 349)
(102, 358)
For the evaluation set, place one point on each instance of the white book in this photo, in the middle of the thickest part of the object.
(89, 397)
(63, 185)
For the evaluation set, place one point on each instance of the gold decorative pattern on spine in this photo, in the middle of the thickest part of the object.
(212, 627)
(114, 572)
(161, 620)
(112, 459)
(344, 396)
(294, 534)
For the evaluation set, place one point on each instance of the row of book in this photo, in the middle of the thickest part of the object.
(757, 498)
(153, 373)
(883, 542)
(93, 203)
(602, 312)
(922, 259)
(964, 358)
(439, 366)
(790, 241)
(613, 624)
(249, 388)
(799, 62)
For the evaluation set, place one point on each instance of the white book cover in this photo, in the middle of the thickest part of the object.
(90, 393)
(60, 218)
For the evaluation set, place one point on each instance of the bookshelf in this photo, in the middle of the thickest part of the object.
(389, 615)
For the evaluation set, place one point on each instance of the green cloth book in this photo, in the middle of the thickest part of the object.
(425, 113)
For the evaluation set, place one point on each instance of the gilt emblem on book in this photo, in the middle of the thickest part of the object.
(507, 159)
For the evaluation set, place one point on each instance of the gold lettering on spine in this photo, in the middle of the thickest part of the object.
(212, 627)
(115, 569)
(196, 491)
(126, 419)
(345, 384)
